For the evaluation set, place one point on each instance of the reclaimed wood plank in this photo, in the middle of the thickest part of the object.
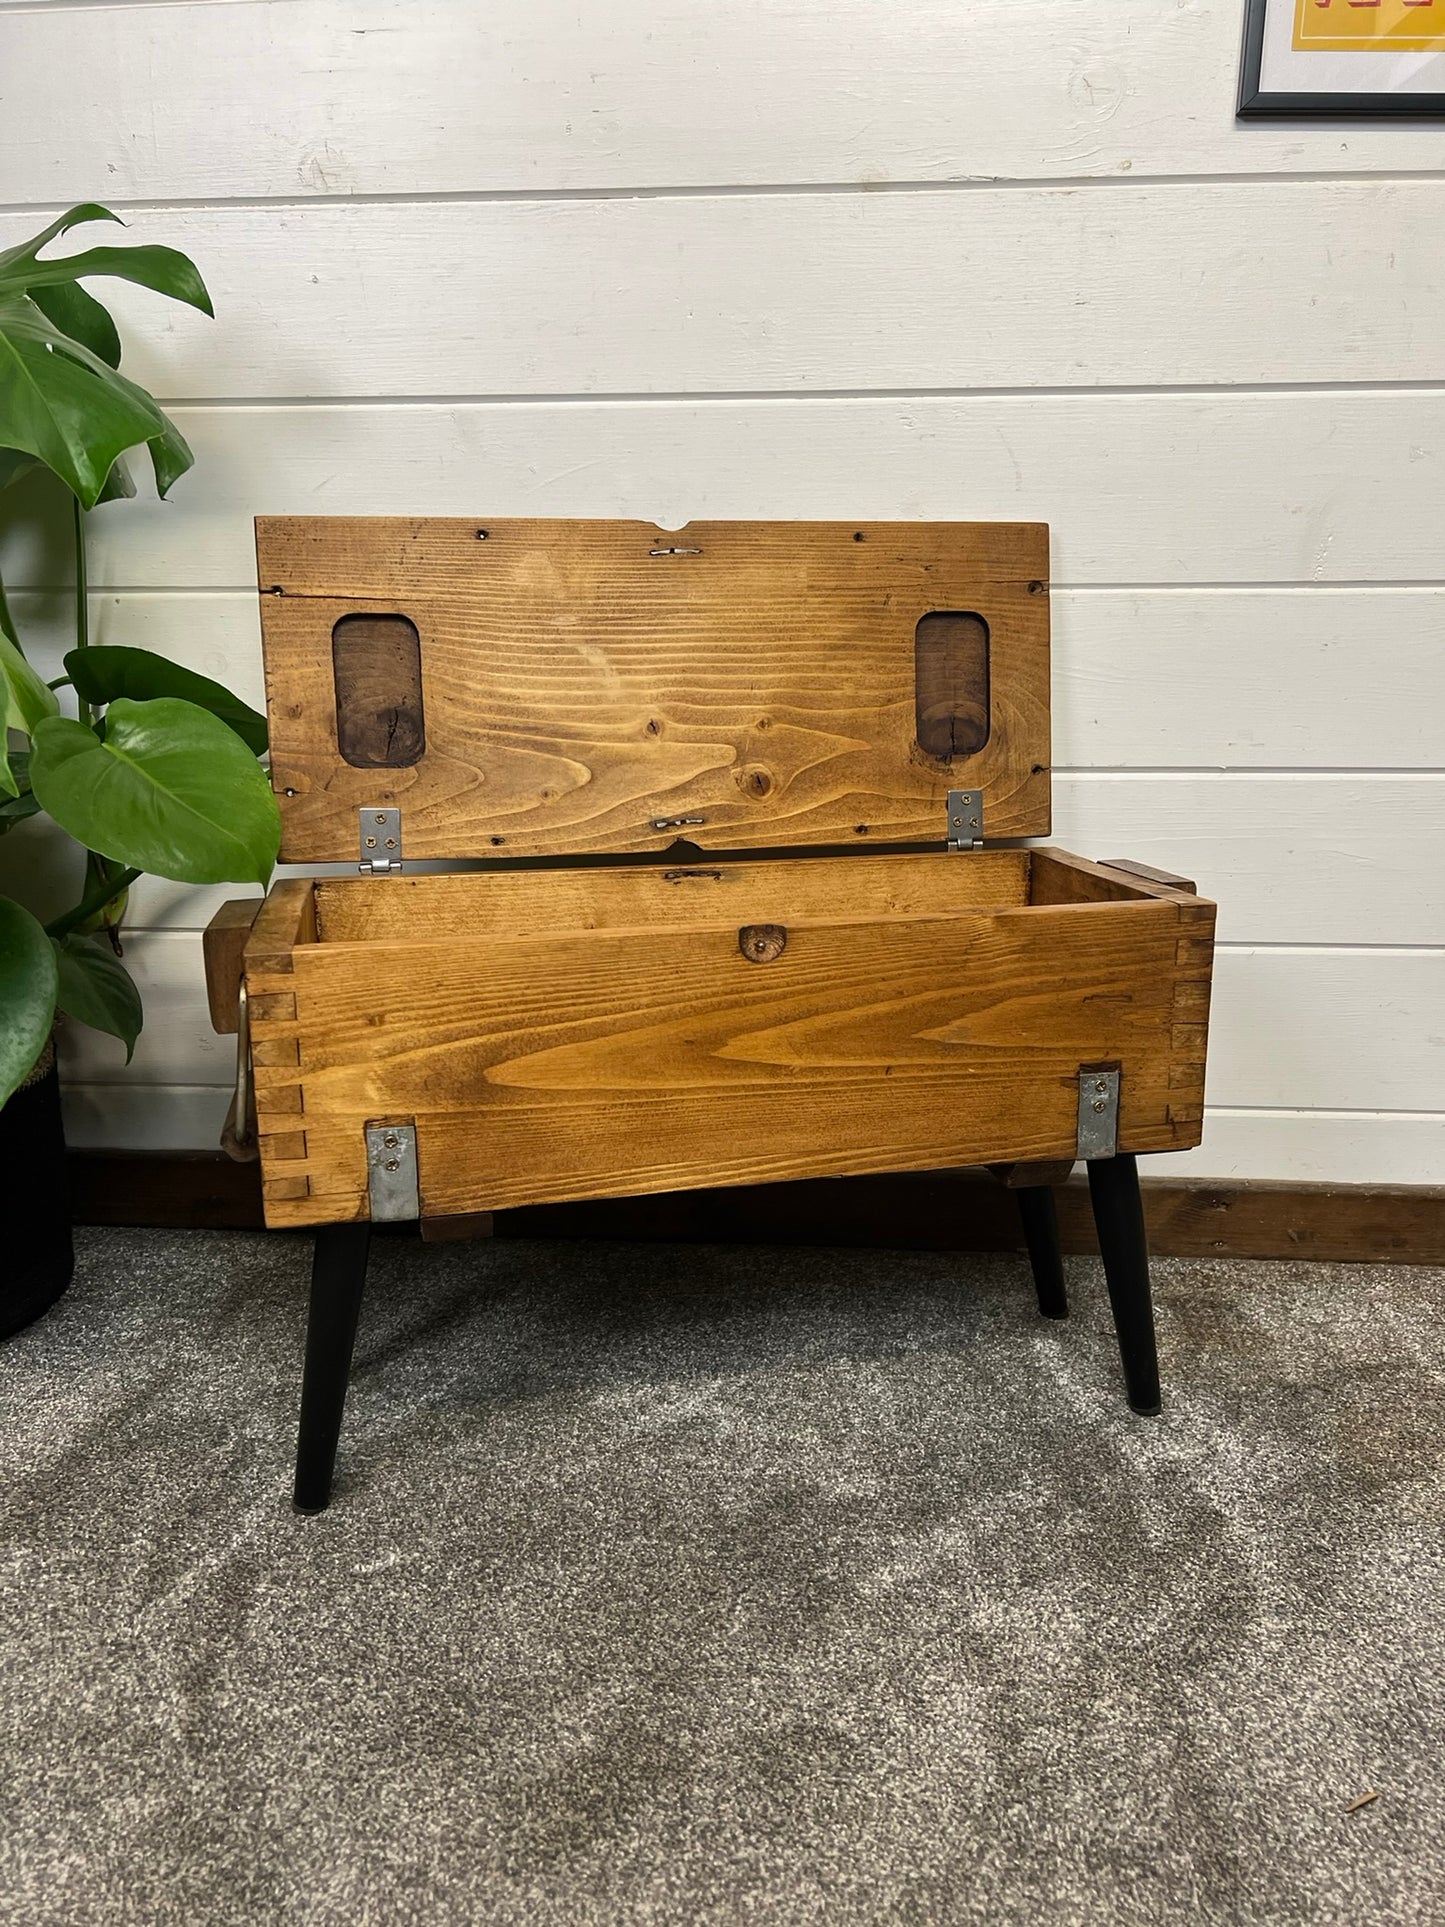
(595, 686)
(609, 1062)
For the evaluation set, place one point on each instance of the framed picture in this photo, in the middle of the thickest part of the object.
(1325, 58)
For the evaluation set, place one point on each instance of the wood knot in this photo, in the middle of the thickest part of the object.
(762, 942)
(755, 781)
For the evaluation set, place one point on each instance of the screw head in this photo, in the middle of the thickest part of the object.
(393, 1164)
(1099, 1104)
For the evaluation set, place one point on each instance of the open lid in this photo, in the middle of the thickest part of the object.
(528, 688)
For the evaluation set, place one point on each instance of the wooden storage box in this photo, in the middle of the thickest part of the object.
(696, 953)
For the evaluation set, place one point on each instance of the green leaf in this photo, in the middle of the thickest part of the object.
(172, 790)
(82, 317)
(27, 700)
(15, 809)
(164, 270)
(61, 403)
(118, 485)
(102, 674)
(46, 411)
(24, 702)
(95, 988)
(170, 452)
(29, 978)
(7, 621)
(17, 257)
(14, 464)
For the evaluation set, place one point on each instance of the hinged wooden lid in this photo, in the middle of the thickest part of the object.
(526, 688)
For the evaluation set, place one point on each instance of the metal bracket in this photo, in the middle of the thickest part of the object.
(391, 1173)
(1098, 1112)
(238, 1133)
(379, 833)
(965, 819)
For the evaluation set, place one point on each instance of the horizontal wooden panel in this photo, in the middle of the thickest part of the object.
(653, 897)
(1137, 488)
(1332, 1030)
(587, 686)
(387, 96)
(1025, 287)
(608, 1063)
(1238, 679)
(1354, 1030)
(1312, 1147)
(1289, 859)
(1224, 679)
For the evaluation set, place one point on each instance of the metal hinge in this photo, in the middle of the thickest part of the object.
(380, 841)
(391, 1173)
(1098, 1111)
(965, 819)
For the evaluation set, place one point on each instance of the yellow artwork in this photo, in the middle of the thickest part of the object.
(1369, 26)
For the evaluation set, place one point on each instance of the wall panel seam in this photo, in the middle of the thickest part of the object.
(711, 190)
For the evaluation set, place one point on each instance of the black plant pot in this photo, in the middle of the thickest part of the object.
(39, 1258)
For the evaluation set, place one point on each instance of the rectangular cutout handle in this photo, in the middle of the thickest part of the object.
(950, 683)
(376, 668)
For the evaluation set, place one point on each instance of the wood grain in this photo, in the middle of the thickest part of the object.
(594, 686)
(1308, 1146)
(614, 1061)
(223, 948)
(684, 896)
(376, 676)
(1205, 678)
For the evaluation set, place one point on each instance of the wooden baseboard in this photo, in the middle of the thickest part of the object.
(932, 1211)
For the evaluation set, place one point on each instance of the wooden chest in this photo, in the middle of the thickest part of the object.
(743, 897)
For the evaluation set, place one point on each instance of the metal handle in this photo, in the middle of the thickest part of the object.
(238, 1133)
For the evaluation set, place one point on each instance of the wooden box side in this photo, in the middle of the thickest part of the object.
(608, 1063)
(1059, 877)
(526, 688)
(284, 927)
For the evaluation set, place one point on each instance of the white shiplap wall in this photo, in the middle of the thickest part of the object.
(874, 258)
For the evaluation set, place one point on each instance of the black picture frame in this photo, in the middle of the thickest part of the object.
(1253, 105)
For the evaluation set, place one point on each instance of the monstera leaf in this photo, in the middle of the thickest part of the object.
(62, 400)
(169, 788)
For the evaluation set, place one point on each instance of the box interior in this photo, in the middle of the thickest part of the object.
(704, 893)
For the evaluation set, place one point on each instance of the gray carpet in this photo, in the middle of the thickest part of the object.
(675, 1585)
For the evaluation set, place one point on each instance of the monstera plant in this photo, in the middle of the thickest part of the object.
(147, 765)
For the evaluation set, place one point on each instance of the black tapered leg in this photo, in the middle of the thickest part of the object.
(1041, 1235)
(338, 1276)
(1119, 1219)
